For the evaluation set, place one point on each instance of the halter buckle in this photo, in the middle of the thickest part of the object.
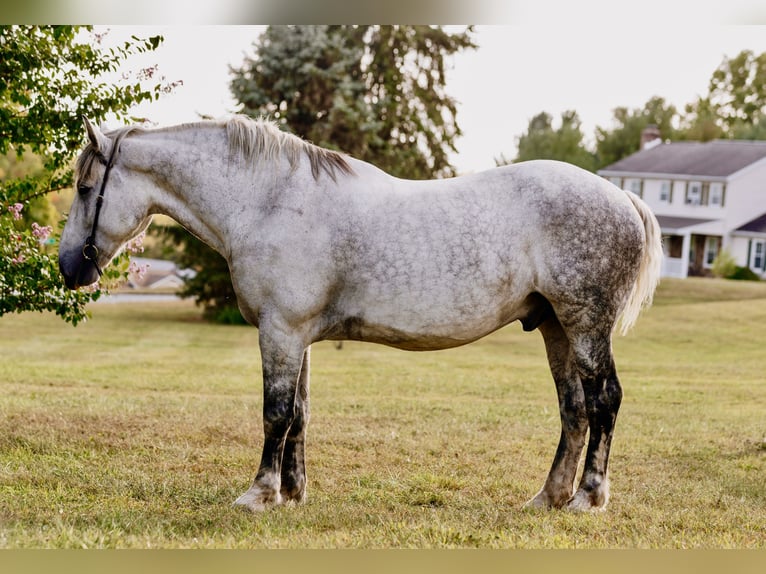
(90, 252)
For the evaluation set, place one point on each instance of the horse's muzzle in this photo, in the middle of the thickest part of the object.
(77, 270)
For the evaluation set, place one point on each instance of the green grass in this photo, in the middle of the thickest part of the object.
(139, 428)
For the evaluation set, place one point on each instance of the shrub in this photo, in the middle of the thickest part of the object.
(743, 274)
(724, 265)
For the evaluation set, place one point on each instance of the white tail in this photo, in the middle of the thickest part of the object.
(651, 266)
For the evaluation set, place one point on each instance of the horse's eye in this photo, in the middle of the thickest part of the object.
(84, 189)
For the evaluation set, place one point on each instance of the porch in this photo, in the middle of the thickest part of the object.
(690, 245)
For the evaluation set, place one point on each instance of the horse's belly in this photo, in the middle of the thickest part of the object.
(357, 330)
(409, 330)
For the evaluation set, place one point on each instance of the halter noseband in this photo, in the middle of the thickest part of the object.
(89, 249)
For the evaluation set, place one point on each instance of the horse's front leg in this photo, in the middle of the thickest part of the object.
(282, 355)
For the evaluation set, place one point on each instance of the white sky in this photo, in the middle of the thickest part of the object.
(517, 72)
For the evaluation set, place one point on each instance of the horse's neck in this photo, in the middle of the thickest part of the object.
(204, 187)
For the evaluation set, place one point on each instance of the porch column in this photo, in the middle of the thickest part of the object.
(687, 244)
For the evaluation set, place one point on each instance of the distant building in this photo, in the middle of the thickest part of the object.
(706, 196)
(159, 274)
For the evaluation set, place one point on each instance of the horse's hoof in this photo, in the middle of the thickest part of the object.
(294, 497)
(584, 501)
(257, 500)
(539, 501)
(545, 500)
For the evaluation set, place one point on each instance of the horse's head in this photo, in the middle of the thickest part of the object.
(109, 208)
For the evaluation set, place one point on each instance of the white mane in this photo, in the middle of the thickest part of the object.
(254, 139)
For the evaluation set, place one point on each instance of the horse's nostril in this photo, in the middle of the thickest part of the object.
(68, 270)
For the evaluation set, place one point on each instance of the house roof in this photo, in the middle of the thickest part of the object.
(672, 223)
(757, 225)
(715, 159)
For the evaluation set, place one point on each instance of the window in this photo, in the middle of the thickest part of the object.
(616, 181)
(673, 246)
(694, 193)
(758, 255)
(666, 191)
(712, 245)
(715, 196)
(635, 185)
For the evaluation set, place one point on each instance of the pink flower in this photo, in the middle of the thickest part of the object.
(41, 233)
(20, 258)
(15, 210)
(138, 270)
(136, 245)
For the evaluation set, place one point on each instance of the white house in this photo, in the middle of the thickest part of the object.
(706, 196)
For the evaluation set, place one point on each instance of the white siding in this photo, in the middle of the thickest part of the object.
(744, 199)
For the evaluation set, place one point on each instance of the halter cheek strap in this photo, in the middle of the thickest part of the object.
(89, 249)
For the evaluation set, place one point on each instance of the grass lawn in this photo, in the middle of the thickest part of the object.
(139, 428)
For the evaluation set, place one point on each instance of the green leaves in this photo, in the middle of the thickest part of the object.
(564, 143)
(29, 277)
(50, 76)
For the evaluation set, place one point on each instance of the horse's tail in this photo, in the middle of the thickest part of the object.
(650, 268)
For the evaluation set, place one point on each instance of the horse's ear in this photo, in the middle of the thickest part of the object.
(97, 139)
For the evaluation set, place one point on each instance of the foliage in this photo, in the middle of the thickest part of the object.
(724, 264)
(725, 267)
(624, 138)
(738, 90)
(701, 122)
(49, 79)
(377, 93)
(565, 143)
(743, 274)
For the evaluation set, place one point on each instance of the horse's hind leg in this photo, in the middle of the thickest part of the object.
(559, 485)
(603, 395)
(293, 461)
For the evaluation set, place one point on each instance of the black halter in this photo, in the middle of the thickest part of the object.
(89, 249)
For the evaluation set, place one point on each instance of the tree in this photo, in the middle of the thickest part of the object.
(625, 137)
(701, 122)
(735, 104)
(49, 79)
(377, 93)
(565, 143)
(738, 90)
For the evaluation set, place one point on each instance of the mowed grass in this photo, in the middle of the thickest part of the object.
(139, 428)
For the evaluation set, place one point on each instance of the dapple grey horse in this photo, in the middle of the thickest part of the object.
(322, 246)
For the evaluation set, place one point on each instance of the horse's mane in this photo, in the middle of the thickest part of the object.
(253, 139)
(262, 138)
